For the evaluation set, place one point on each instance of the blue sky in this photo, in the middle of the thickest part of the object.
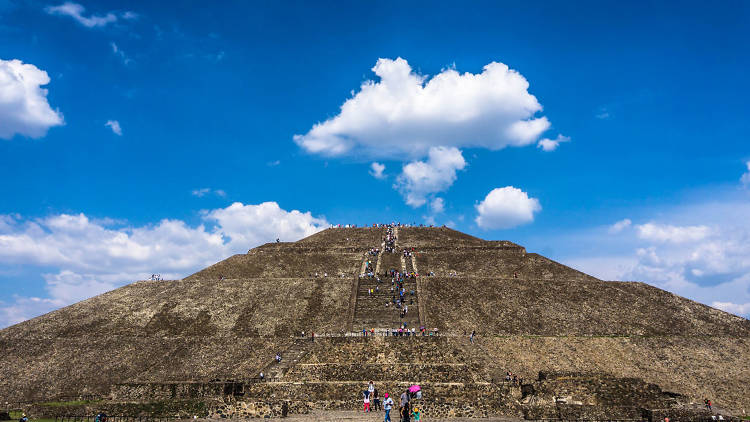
(170, 136)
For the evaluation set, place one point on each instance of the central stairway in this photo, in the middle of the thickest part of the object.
(373, 293)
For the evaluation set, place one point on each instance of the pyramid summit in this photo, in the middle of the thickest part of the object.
(331, 306)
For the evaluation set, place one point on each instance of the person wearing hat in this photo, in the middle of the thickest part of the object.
(23, 418)
(416, 414)
(387, 405)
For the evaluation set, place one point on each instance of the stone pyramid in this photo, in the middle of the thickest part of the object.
(581, 348)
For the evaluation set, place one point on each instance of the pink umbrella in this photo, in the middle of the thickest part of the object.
(414, 388)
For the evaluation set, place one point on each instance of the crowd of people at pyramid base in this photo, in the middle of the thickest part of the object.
(407, 412)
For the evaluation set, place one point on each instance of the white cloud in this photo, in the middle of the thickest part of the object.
(620, 226)
(702, 253)
(745, 179)
(735, 308)
(407, 113)
(548, 145)
(200, 193)
(254, 224)
(419, 179)
(115, 126)
(273, 163)
(23, 308)
(437, 205)
(76, 11)
(24, 109)
(88, 256)
(506, 207)
(376, 170)
(117, 51)
(669, 233)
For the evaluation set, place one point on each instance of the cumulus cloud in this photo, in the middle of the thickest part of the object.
(700, 251)
(88, 256)
(620, 226)
(408, 113)
(734, 308)
(669, 233)
(506, 207)
(115, 126)
(419, 179)
(24, 109)
(745, 179)
(376, 170)
(76, 11)
(548, 145)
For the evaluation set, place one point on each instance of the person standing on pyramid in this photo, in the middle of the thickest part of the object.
(367, 401)
(387, 406)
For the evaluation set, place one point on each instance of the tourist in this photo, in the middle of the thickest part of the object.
(406, 413)
(375, 400)
(262, 377)
(387, 406)
(23, 418)
(471, 338)
(404, 398)
(367, 401)
(415, 413)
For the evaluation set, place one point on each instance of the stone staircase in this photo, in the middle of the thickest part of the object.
(289, 358)
(370, 310)
(335, 370)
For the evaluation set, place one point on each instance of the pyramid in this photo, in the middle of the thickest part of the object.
(580, 347)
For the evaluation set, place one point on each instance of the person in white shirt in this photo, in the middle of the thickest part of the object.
(387, 406)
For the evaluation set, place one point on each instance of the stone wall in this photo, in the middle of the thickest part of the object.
(415, 372)
(184, 409)
(439, 399)
(289, 262)
(173, 391)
